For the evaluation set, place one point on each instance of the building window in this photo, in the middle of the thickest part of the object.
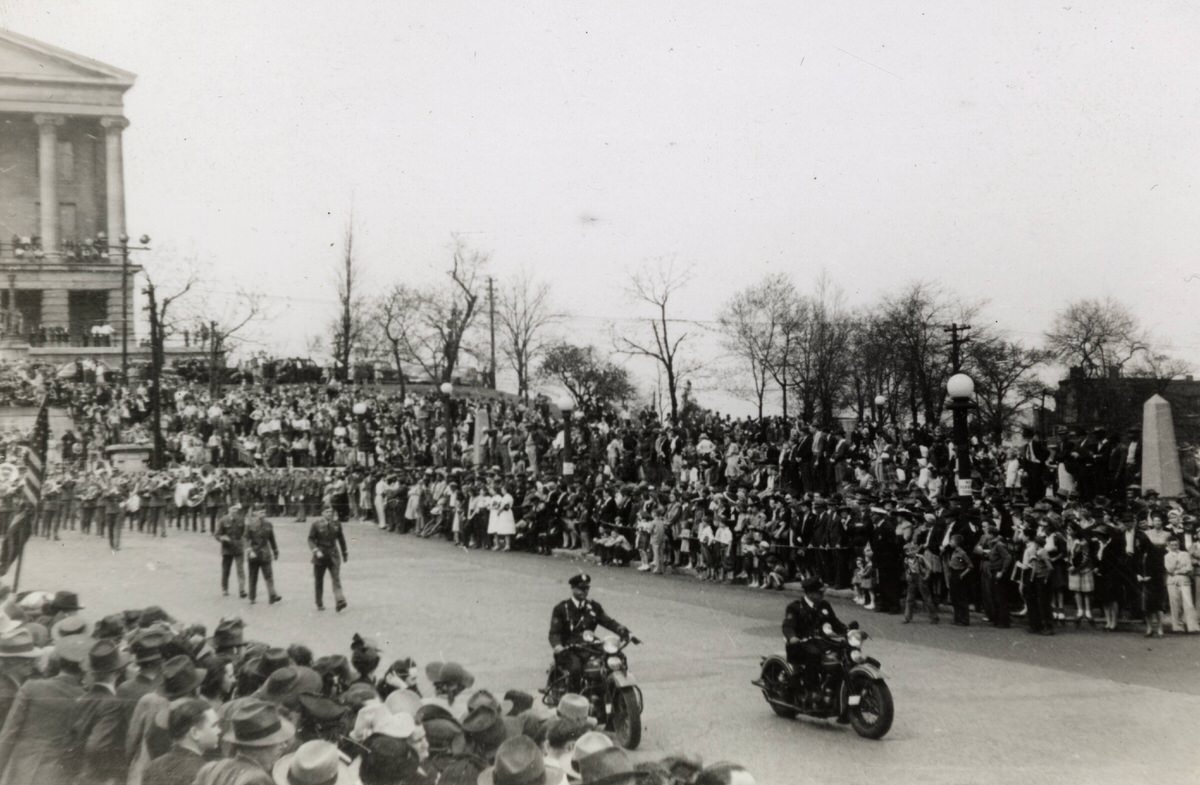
(66, 161)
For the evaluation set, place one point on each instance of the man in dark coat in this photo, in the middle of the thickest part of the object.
(35, 733)
(570, 619)
(195, 736)
(261, 550)
(803, 623)
(328, 546)
(98, 732)
(230, 531)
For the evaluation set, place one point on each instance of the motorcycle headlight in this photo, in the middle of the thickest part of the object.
(611, 645)
(616, 664)
(857, 656)
(854, 638)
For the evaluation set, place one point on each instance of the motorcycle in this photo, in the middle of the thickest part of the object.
(608, 685)
(849, 684)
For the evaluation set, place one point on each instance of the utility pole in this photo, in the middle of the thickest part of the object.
(957, 339)
(492, 322)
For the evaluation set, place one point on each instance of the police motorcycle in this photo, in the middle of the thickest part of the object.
(608, 685)
(849, 684)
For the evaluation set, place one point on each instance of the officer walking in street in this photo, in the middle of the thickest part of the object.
(231, 533)
(261, 550)
(328, 546)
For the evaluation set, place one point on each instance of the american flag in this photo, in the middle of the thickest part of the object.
(25, 518)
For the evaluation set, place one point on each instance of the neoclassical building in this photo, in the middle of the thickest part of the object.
(62, 196)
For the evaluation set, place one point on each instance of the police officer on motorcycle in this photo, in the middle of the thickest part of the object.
(570, 620)
(803, 625)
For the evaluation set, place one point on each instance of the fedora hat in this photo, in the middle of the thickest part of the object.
(273, 660)
(147, 645)
(111, 626)
(484, 726)
(106, 657)
(65, 601)
(449, 673)
(180, 677)
(72, 648)
(258, 724)
(520, 762)
(20, 643)
(281, 686)
(573, 706)
(321, 711)
(445, 735)
(609, 767)
(313, 763)
(69, 626)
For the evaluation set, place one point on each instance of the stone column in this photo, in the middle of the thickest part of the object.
(48, 179)
(56, 308)
(1161, 470)
(114, 179)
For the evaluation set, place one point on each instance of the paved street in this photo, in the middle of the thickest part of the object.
(973, 706)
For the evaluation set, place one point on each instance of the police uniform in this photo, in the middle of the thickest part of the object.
(325, 538)
(570, 619)
(804, 620)
(231, 531)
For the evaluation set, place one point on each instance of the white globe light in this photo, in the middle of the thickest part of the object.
(960, 386)
(446, 388)
(566, 403)
(880, 400)
(360, 408)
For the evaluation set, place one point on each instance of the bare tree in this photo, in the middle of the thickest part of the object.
(1004, 380)
(162, 325)
(350, 326)
(1100, 337)
(523, 315)
(655, 285)
(398, 315)
(752, 323)
(446, 315)
(223, 320)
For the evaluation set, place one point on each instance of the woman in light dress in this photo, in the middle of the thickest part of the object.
(501, 524)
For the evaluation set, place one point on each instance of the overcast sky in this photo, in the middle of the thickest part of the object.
(1025, 153)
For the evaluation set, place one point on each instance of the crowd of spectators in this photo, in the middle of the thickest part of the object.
(138, 697)
(1059, 532)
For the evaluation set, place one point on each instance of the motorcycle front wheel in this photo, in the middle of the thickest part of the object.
(872, 717)
(625, 720)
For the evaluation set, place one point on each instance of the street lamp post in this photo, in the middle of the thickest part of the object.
(880, 412)
(447, 390)
(962, 390)
(124, 248)
(566, 405)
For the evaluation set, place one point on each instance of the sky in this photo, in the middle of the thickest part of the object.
(1020, 153)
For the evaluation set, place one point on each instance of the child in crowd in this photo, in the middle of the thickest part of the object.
(645, 526)
(724, 550)
(708, 549)
(918, 575)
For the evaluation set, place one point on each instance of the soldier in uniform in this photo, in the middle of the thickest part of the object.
(111, 522)
(89, 495)
(570, 619)
(325, 538)
(261, 550)
(230, 531)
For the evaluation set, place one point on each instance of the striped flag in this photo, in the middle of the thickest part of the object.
(25, 518)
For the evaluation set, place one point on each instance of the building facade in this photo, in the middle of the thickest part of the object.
(64, 278)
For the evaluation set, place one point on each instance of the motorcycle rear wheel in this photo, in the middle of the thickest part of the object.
(625, 721)
(872, 717)
(777, 681)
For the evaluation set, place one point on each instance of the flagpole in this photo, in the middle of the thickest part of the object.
(35, 509)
